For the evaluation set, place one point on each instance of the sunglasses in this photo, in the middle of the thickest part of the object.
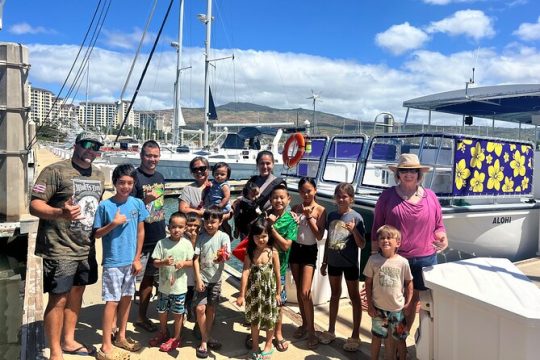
(86, 144)
(404, 171)
(199, 169)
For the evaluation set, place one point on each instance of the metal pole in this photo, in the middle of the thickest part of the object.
(177, 82)
(208, 23)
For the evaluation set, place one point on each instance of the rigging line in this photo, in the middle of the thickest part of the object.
(144, 72)
(34, 139)
(126, 83)
(89, 50)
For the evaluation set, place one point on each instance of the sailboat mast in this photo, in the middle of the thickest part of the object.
(208, 23)
(177, 110)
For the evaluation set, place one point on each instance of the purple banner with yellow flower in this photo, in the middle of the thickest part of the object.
(492, 167)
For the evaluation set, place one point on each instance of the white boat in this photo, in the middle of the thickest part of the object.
(482, 218)
(239, 150)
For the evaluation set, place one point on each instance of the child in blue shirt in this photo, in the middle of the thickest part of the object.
(220, 192)
(119, 222)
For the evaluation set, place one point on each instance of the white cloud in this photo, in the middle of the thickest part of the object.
(471, 23)
(25, 28)
(529, 31)
(446, 2)
(284, 80)
(401, 38)
(122, 40)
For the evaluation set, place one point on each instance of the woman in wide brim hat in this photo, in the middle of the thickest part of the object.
(416, 213)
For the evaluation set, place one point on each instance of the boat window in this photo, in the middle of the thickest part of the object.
(342, 159)
(309, 164)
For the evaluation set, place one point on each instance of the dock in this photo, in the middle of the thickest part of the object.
(229, 328)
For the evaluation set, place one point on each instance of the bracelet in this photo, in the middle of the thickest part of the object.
(324, 263)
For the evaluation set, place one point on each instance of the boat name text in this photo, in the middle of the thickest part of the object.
(502, 220)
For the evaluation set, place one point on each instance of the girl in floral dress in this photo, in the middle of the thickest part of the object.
(260, 287)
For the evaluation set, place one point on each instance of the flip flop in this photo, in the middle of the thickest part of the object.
(280, 345)
(313, 342)
(265, 355)
(201, 353)
(89, 350)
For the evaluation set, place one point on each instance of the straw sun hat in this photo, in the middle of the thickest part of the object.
(409, 161)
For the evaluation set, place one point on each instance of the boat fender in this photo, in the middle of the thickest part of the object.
(297, 138)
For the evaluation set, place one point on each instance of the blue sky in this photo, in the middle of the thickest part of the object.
(362, 57)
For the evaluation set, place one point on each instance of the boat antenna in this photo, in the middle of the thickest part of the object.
(314, 97)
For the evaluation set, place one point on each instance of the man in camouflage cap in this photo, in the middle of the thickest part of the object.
(65, 198)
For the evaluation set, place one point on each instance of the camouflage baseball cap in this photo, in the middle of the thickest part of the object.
(88, 137)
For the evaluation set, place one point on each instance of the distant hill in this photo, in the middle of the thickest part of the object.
(240, 112)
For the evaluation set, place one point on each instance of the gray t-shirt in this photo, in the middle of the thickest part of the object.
(342, 250)
(192, 195)
(60, 238)
(206, 248)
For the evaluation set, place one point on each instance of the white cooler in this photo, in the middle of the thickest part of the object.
(482, 308)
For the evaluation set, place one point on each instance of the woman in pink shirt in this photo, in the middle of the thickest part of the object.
(416, 213)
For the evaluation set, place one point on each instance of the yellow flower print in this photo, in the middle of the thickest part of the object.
(506, 157)
(518, 164)
(463, 144)
(518, 189)
(513, 147)
(525, 183)
(508, 184)
(492, 146)
(462, 174)
(525, 149)
(477, 183)
(477, 156)
(489, 159)
(495, 176)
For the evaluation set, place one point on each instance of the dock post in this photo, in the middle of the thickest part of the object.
(14, 108)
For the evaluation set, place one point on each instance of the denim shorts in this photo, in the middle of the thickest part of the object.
(117, 282)
(416, 264)
(303, 254)
(389, 322)
(172, 303)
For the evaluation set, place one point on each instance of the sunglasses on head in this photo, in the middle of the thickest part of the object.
(403, 171)
(199, 169)
(87, 144)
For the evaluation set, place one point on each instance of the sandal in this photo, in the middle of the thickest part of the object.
(300, 332)
(128, 344)
(352, 345)
(326, 337)
(170, 345)
(266, 355)
(113, 355)
(254, 356)
(201, 353)
(147, 325)
(159, 339)
(280, 345)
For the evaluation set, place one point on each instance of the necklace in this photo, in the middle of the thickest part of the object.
(405, 196)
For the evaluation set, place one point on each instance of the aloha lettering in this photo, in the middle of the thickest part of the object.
(502, 220)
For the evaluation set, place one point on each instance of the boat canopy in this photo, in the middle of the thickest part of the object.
(252, 134)
(511, 103)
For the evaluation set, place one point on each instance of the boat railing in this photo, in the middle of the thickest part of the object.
(462, 166)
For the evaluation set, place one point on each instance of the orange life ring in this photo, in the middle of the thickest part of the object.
(297, 138)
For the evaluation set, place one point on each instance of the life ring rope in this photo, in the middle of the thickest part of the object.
(300, 142)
